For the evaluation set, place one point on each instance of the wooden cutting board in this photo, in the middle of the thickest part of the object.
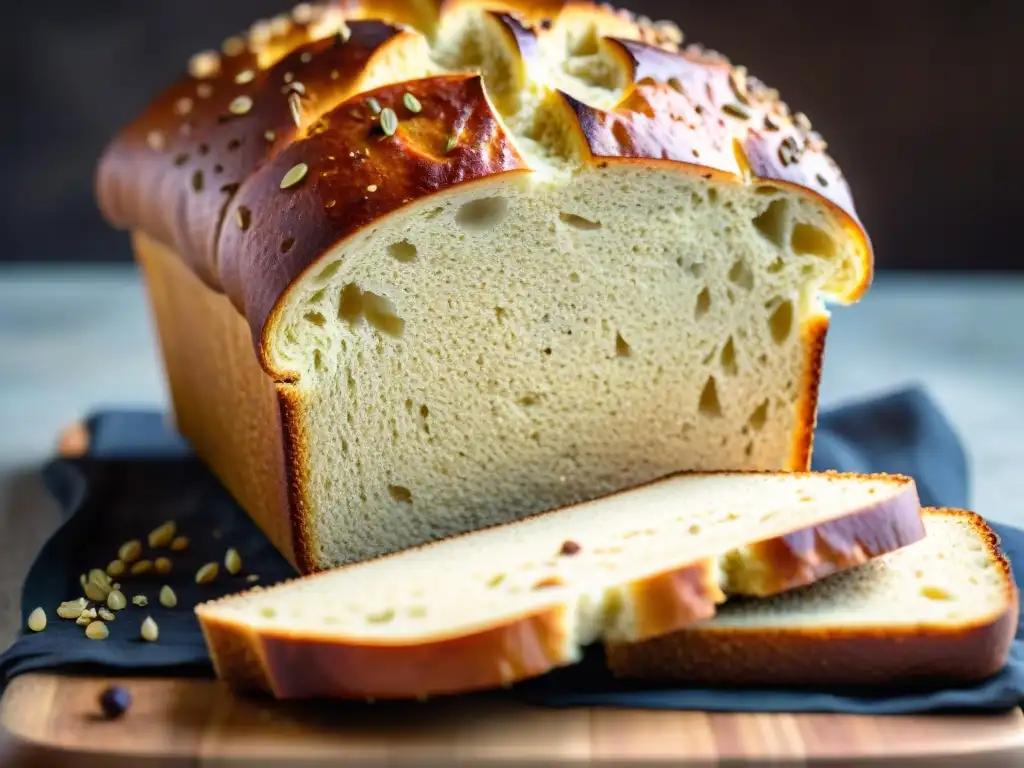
(199, 720)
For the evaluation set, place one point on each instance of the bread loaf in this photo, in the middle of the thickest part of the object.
(941, 611)
(418, 270)
(503, 604)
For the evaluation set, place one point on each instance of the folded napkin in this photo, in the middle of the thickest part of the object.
(137, 475)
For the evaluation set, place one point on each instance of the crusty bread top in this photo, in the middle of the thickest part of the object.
(956, 578)
(741, 531)
(269, 154)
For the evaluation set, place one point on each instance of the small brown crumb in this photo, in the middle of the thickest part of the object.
(569, 547)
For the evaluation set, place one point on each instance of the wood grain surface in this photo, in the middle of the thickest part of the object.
(189, 722)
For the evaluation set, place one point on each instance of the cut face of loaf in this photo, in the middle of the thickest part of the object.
(942, 610)
(494, 268)
(503, 604)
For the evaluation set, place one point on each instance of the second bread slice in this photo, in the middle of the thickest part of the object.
(503, 604)
(942, 610)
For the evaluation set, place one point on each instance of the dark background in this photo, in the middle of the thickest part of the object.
(920, 101)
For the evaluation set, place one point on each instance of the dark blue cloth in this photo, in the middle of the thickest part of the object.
(137, 475)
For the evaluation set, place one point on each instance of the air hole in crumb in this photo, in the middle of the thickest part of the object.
(378, 311)
(286, 244)
(812, 240)
(197, 181)
(574, 277)
(622, 348)
(748, 450)
(936, 593)
(781, 322)
(730, 294)
(772, 223)
(530, 398)
(776, 266)
(709, 402)
(759, 417)
(234, 144)
(318, 362)
(499, 313)
(740, 275)
(578, 222)
(400, 494)
(402, 251)
(315, 318)
(328, 272)
(713, 196)
(482, 215)
(703, 303)
(728, 358)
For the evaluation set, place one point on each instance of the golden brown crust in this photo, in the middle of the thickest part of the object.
(355, 175)
(879, 655)
(223, 402)
(813, 336)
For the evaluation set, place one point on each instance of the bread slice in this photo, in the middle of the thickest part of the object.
(581, 259)
(507, 603)
(943, 610)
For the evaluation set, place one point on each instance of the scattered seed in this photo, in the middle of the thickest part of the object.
(183, 105)
(167, 597)
(802, 122)
(141, 567)
(150, 632)
(162, 565)
(83, 620)
(97, 630)
(37, 620)
(245, 76)
(270, 136)
(116, 568)
(295, 107)
(736, 110)
(233, 46)
(411, 102)
(89, 613)
(371, 188)
(116, 600)
(162, 535)
(252, 578)
(295, 174)
(204, 64)
(204, 90)
(374, 105)
(306, 57)
(240, 105)
(207, 573)
(115, 701)
(155, 139)
(233, 561)
(95, 592)
(140, 600)
(181, 542)
(71, 609)
(130, 551)
(451, 143)
(335, 74)
(105, 614)
(388, 121)
(296, 87)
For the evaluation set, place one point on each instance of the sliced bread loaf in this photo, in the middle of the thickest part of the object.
(506, 603)
(944, 609)
(423, 268)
